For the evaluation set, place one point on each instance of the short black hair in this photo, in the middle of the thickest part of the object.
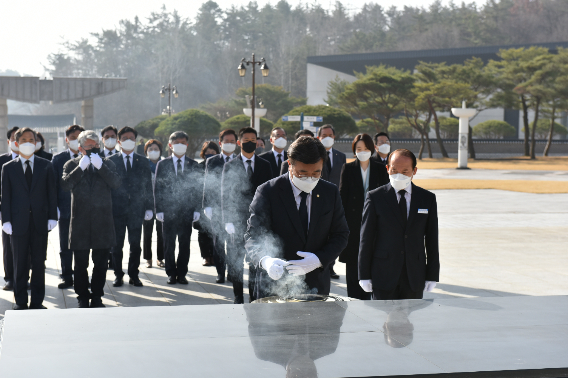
(277, 128)
(307, 150)
(71, 129)
(209, 144)
(304, 132)
(109, 128)
(263, 142)
(247, 130)
(128, 129)
(23, 130)
(178, 135)
(227, 132)
(11, 131)
(382, 133)
(328, 126)
(366, 138)
(403, 152)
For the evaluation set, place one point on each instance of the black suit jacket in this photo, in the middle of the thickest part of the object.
(4, 158)
(18, 199)
(237, 191)
(134, 195)
(44, 154)
(178, 195)
(63, 196)
(212, 191)
(269, 157)
(274, 229)
(378, 159)
(385, 244)
(92, 224)
(339, 160)
(353, 198)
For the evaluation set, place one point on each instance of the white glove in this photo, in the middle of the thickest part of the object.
(96, 161)
(148, 214)
(429, 286)
(230, 228)
(366, 285)
(208, 212)
(196, 216)
(7, 228)
(58, 214)
(51, 224)
(84, 162)
(274, 267)
(160, 217)
(301, 267)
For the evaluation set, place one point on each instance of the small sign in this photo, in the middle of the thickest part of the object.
(307, 124)
(290, 118)
(313, 119)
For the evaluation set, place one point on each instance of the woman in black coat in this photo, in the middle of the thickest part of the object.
(357, 178)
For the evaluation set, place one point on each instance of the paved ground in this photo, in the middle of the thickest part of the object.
(492, 243)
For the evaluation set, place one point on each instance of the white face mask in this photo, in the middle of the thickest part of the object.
(384, 148)
(13, 146)
(128, 145)
(153, 155)
(110, 143)
(280, 142)
(179, 149)
(399, 181)
(37, 146)
(305, 184)
(229, 147)
(327, 142)
(73, 144)
(27, 149)
(363, 155)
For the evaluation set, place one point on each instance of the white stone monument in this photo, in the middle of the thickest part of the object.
(464, 114)
(258, 112)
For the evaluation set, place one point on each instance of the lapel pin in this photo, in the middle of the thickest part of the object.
(318, 195)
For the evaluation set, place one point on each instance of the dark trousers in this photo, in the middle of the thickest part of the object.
(8, 257)
(401, 291)
(235, 265)
(354, 290)
(65, 254)
(219, 257)
(100, 261)
(134, 224)
(148, 231)
(29, 246)
(179, 227)
(205, 244)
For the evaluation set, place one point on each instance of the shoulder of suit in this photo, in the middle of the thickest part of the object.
(141, 157)
(264, 155)
(262, 160)
(381, 190)
(419, 190)
(338, 153)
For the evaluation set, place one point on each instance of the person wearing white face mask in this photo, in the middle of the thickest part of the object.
(383, 147)
(398, 254)
(40, 148)
(178, 194)
(153, 150)
(132, 203)
(357, 179)
(297, 225)
(277, 155)
(109, 136)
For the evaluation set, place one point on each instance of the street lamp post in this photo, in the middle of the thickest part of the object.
(242, 71)
(171, 90)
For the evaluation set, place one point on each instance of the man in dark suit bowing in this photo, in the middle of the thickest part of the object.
(64, 204)
(296, 215)
(178, 194)
(277, 155)
(239, 181)
(398, 253)
(132, 203)
(29, 212)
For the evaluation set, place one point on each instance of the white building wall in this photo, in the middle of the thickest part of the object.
(318, 78)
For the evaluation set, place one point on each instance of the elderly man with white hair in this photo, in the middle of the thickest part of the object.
(90, 179)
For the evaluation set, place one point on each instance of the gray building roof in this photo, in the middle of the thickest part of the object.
(41, 122)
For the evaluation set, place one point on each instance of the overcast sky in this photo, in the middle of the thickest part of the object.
(32, 29)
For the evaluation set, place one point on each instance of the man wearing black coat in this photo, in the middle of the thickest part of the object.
(64, 204)
(241, 177)
(296, 215)
(383, 147)
(41, 152)
(13, 153)
(178, 194)
(132, 202)
(29, 212)
(277, 155)
(398, 254)
(90, 179)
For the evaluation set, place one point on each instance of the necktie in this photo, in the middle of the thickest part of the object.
(279, 161)
(304, 213)
(128, 165)
(329, 161)
(249, 169)
(74, 156)
(110, 152)
(179, 170)
(227, 159)
(402, 205)
(29, 174)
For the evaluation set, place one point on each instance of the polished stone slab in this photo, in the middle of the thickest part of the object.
(512, 336)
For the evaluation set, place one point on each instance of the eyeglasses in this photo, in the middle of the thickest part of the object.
(315, 175)
(381, 143)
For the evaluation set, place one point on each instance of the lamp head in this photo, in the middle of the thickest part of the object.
(242, 69)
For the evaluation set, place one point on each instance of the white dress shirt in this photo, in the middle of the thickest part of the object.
(276, 155)
(298, 198)
(330, 156)
(407, 196)
(245, 161)
(71, 153)
(23, 161)
(175, 158)
(124, 155)
(107, 152)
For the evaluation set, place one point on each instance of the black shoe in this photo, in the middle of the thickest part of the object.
(172, 280)
(333, 275)
(136, 282)
(83, 303)
(118, 282)
(182, 280)
(8, 286)
(39, 306)
(16, 306)
(239, 299)
(220, 279)
(65, 283)
(95, 303)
